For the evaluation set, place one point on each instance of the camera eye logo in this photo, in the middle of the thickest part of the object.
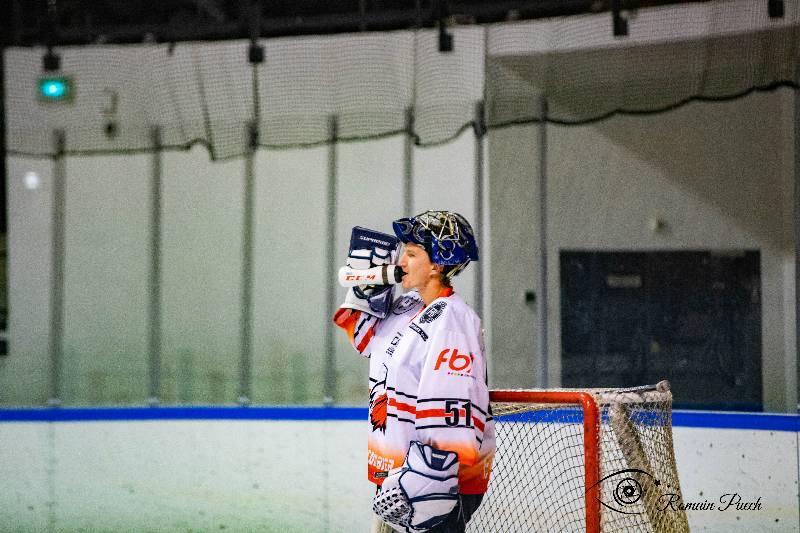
(627, 492)
(627, 489)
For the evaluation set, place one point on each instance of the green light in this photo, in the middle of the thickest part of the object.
(55, 89)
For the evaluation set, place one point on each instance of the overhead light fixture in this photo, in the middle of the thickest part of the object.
(32, 180)
(620, 22)
(445, 38)
(255, 52)
(55, 89)
(776, 9)
(51, 61)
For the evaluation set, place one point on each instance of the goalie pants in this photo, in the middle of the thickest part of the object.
(456, 521)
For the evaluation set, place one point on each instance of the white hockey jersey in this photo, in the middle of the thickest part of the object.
(428, 382)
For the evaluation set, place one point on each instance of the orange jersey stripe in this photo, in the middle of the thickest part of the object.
(431, 413)
(347, 319)
(400, 406)
(440, 413)
(365, 341)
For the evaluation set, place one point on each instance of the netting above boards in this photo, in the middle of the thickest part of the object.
(209, 93)
(706, 51)
(372, 83)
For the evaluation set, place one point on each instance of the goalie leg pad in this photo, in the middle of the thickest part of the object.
(423, 492)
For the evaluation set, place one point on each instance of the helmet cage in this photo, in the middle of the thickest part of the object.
(446, 236)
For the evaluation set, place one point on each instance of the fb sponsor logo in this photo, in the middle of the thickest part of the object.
(456, 361)
(432, 313)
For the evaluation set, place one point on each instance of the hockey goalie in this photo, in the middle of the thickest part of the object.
(431, 440)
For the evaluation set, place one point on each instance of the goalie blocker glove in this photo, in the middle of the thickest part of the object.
(421, 494)
(369, 248)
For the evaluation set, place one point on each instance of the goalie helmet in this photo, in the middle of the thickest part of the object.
(446, 236)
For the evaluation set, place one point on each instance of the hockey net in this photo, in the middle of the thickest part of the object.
(583, 460)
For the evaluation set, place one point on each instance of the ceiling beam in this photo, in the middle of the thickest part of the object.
(214, 24)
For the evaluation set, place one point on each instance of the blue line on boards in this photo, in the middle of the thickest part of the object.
(127, 414)
(762, 421)
(680, 418)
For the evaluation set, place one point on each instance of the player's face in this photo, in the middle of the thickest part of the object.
(417, 265)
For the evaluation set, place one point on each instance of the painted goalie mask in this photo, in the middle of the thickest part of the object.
(446, 236)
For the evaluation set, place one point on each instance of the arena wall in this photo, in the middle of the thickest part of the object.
(718, 175)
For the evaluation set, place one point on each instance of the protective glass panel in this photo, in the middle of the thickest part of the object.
(107, 261)
(201, 277)
(289, 316)
(24, 373)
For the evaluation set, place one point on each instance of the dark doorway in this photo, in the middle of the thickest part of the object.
(694, 318)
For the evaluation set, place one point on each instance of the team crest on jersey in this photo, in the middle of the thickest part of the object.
(432, 313)
(404, 305)
(377, 413)
(379, 404)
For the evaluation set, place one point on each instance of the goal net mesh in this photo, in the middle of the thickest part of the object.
(539, 475)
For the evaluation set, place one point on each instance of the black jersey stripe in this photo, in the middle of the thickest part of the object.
(444, 400)
(472, 404)
(361, 323)
(401, 393)
(481, 411)
(392, 415)
(436, 426)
